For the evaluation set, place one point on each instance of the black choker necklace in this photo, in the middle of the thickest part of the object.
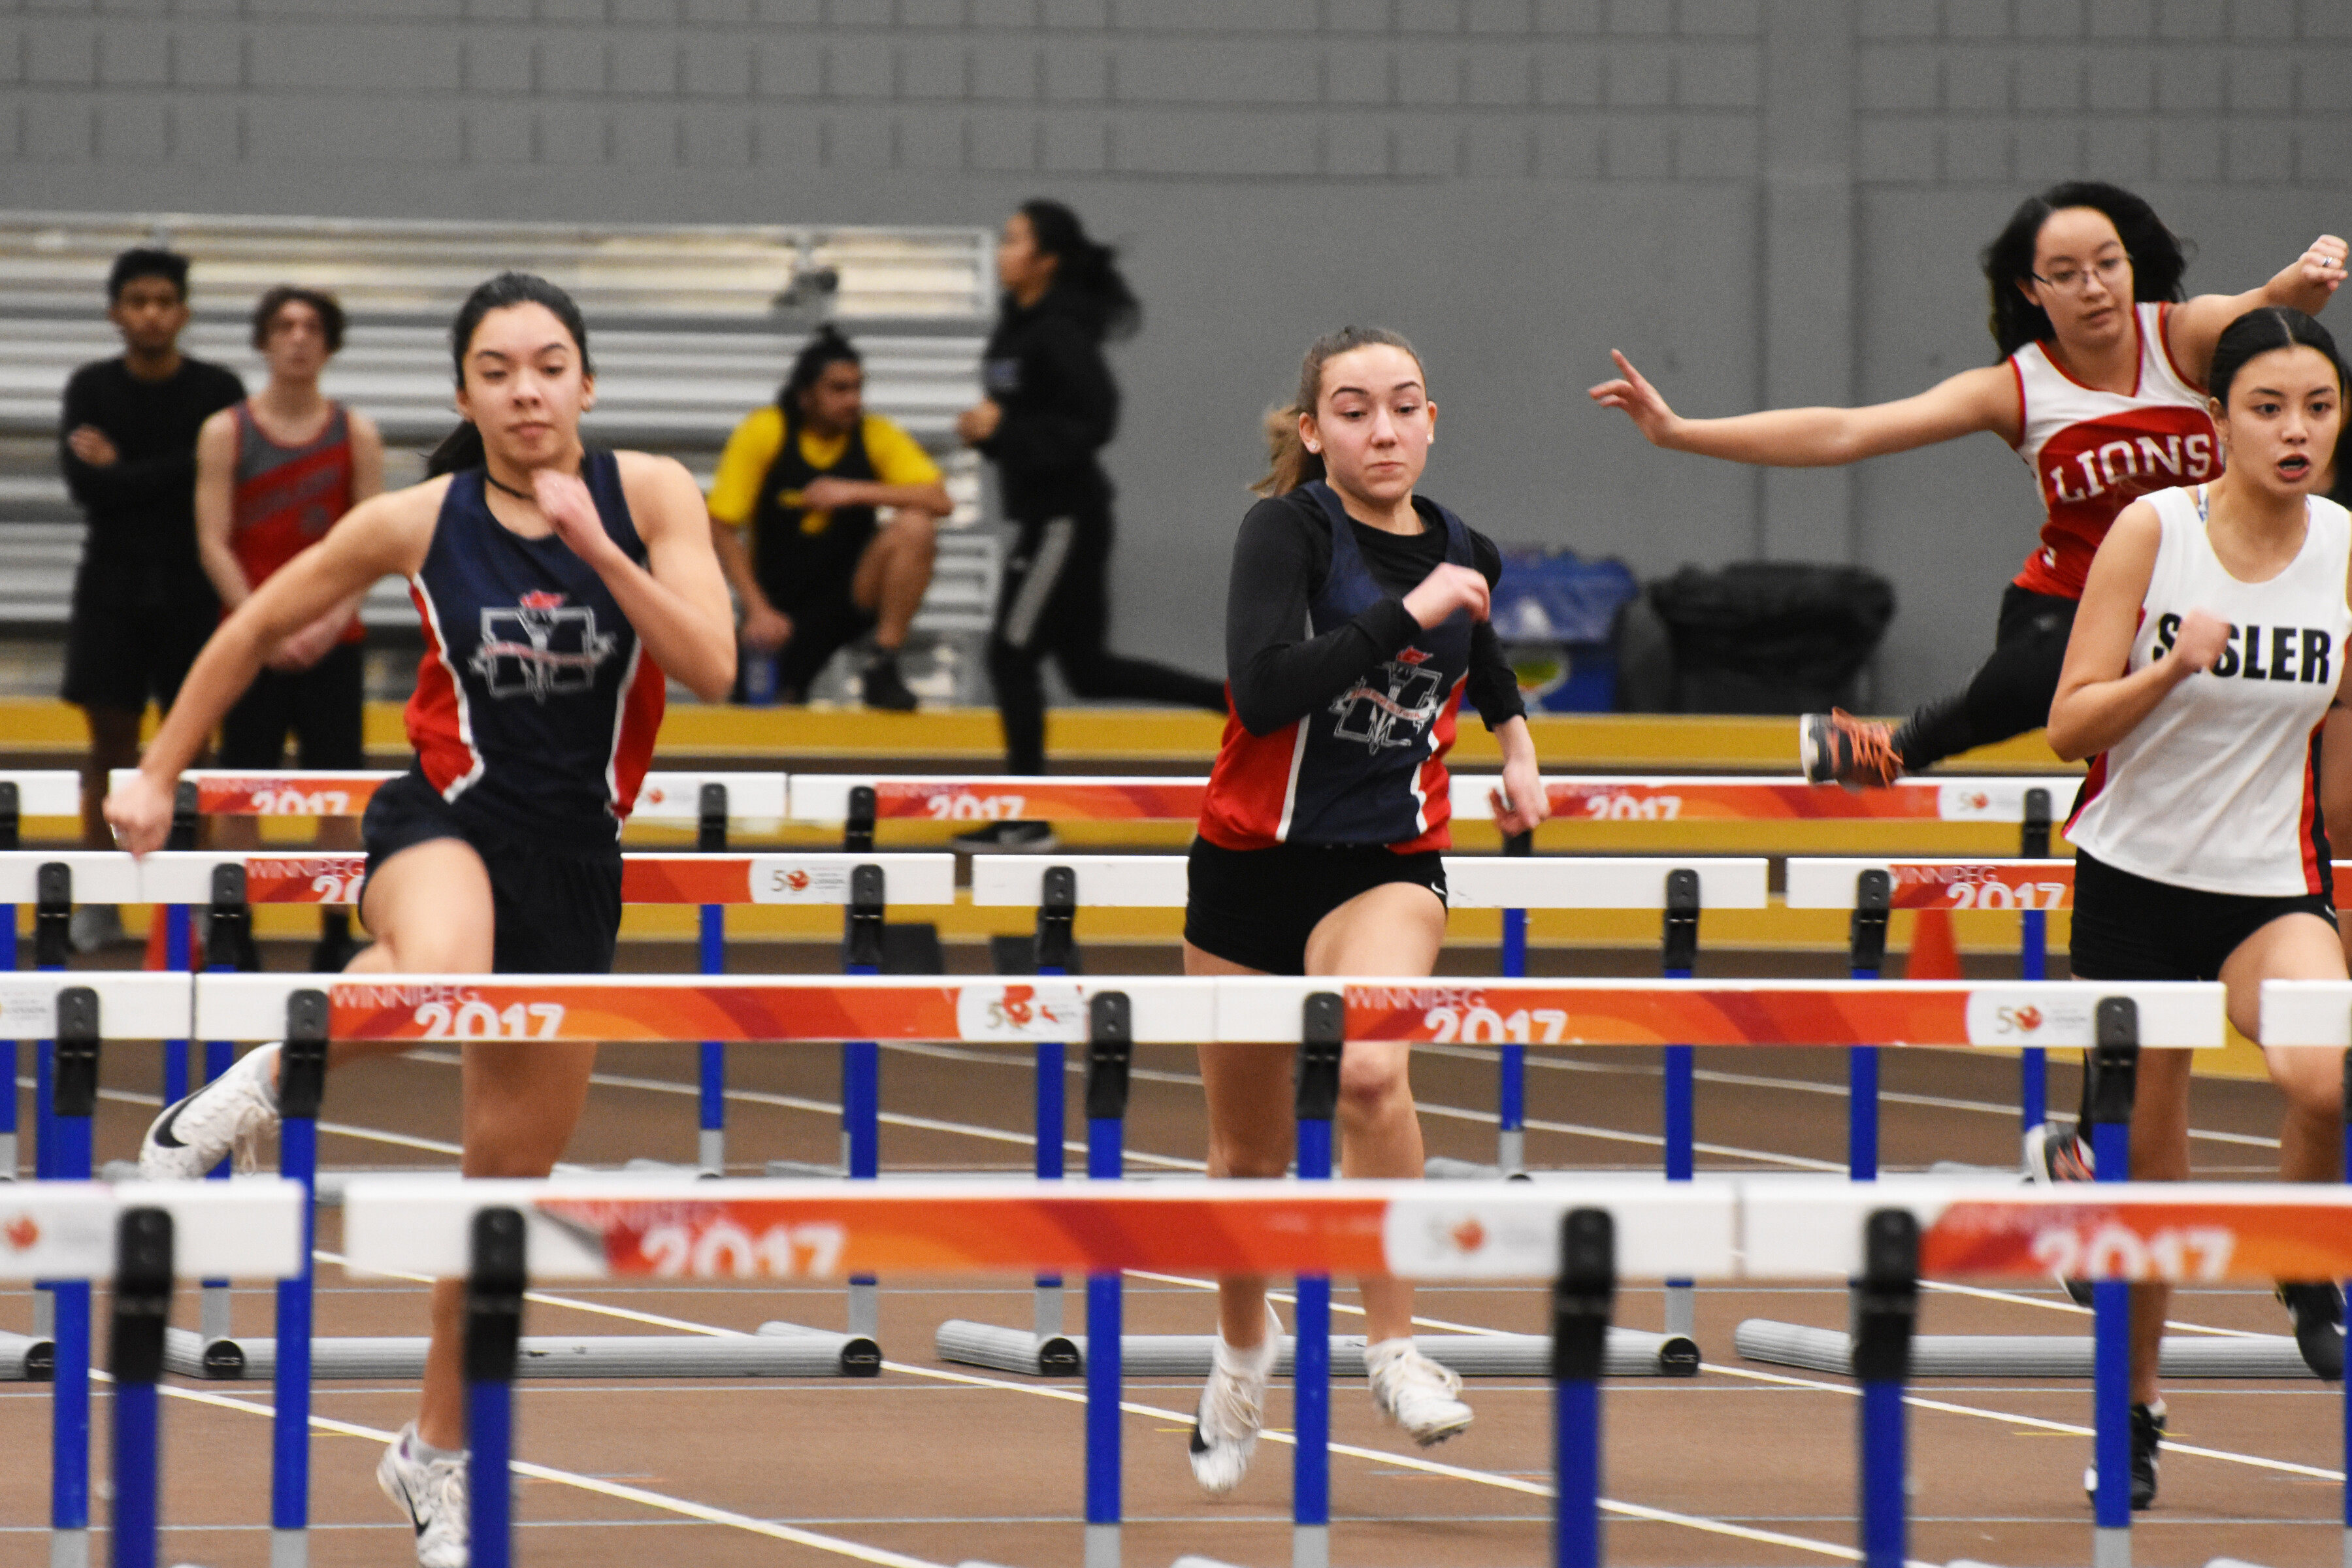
(492, 481)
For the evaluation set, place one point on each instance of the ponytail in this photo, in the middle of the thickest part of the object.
(1086, 271)
(459, 451)
(1289, 463)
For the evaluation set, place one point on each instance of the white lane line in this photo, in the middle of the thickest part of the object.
(2038, 1423)
(2048, 1305)
(341, 1128)
(1810, 1086)
(662, 1501)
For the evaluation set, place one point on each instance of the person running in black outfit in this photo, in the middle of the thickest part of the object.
(1051, 406)
(142, 605)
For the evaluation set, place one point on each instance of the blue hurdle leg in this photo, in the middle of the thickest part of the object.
(1511, 1102)
(2111, 1397)
(489, 1459)
(69, 1396)
(136, 1474)
(1682, 1302)
(289, 1433)
(2033, 1069)
(1105, 1322)
(1051, 1091)
(861, 1152)
(710, 1151)
(8, 1052)
(1862, 1113)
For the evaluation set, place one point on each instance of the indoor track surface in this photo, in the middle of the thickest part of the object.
(933, 1464)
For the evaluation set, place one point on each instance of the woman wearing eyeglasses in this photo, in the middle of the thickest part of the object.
(2101, 391)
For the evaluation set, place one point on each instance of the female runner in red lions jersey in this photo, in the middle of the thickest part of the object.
(2209, 650)
(2100, 391)
(558, 586)
(1318, 844)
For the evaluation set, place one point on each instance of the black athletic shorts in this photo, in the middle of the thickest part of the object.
(123, 650)
(320, 707)
(1257, 907)
(558, 910)
(2130, 928)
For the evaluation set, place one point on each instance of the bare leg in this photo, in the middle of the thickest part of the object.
(1396, 929)
(2311, 1131)
(1251, 1132)
(893, 574)
(113, 743)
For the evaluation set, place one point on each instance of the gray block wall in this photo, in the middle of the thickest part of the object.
(1759, 200)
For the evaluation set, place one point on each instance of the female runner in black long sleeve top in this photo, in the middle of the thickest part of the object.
(1051, 407)
(1358, 620)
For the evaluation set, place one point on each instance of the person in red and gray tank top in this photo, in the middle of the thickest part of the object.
(273, 473)
(2100, 389)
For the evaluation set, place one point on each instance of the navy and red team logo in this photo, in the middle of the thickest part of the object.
(1397, 710)
(542, 649)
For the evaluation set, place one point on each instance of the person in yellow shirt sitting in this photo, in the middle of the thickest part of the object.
(807, 475)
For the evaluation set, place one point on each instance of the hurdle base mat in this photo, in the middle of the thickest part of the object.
(2017, 1355)
(27, 1359)
(778, 1349)
(1631, 1352)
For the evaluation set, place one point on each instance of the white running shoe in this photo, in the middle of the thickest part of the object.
(1415, 1393)
(1233, 1409)
(432, 1492)
(229, 1114)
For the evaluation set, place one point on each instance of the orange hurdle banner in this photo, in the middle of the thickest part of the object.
(817, 876)
(1172, 1009)
(1703, 797)
(663, 797)
(1829, 883)
(667, 1227)
(1771, 1013)
(926, 797)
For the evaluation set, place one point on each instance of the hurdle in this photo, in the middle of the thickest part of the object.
(1585, 1239)
(1056, 883)
(25, 792)
(138, 1237)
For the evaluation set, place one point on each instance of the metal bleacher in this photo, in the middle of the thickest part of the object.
(692, 328)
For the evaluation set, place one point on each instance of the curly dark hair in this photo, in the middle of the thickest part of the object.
(2158, 255)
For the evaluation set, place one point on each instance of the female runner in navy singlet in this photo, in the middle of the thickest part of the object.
(558, 586)
(1319, 842)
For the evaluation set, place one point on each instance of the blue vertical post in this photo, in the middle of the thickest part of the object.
(1680, 955)
(1321, 1042)
(1583, 1296)
(2114, 1068)
(302, 1085)
(52, 945)
(2033, 964)
(1110, 1048)
(1511, 1102)
(179, 946)
(1885, 1310)
(1052, 951)
(710, 839)
(861, 1065)
(142, 1307)
(76, 1052)
(11, 820)
(494, 1290)
(1867, 957)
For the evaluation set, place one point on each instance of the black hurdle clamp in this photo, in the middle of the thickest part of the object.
(12, 814)
(228, 924)
(1320, 1042)
(184, 816)
(1874, 894)
(52, 915)
(143, 1296)
(1681, 948)
(2033, 835)
(2114, 1062)
(494, 1288)
(1583, 1295)
(1057, 919)
(858, 828)
(302, 1059)
(711, 819)
(1110, 1053)
(861, 942)
(1887, 1297)
(74, 1090)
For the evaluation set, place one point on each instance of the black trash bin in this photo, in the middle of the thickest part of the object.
(1771, 636)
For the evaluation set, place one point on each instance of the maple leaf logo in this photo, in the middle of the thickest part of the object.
(2028, 1018)
(1018, 1000)
(797, 881)
(1468, 1236)
(22, 1230)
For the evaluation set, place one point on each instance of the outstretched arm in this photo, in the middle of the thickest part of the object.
(2304, 284)
(1981, 399)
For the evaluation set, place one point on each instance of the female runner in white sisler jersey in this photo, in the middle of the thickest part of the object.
(2211, 645)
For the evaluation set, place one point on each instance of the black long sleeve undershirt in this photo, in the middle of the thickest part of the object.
(1279, 674)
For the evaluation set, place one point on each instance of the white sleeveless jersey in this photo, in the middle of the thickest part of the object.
(2094, 453)
(2218, 788)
